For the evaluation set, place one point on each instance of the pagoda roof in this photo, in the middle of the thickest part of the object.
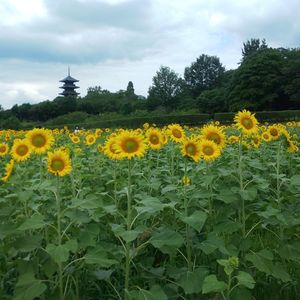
(69, 78)
(69, 86)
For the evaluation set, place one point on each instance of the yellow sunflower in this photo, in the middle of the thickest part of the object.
(186, 180)
(256, 141)
(8, 170)
(109, 148)
(215, 134)
(233, 139)
(176, 133)
(40, 139)
(90, 139)
(191, 148)
(21, 150)
(209, 150)
(75, 139)
(274, 132)
(292, 147)
(59, 163)
(266, 136)
(246, 122)
(130, 144)
(155, 138)
(3, 149)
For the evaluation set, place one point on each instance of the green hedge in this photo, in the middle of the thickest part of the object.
(138, 122)
(262, 116)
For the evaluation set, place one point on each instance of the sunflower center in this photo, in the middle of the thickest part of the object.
(177, 133)
(207, 150)
(154, 139)
(130, 146)
(57, 165)
(214, 137)
(2, 149)
(190, 149)
(22, 150)
(39, 141)
(274, 132)
(247, 123)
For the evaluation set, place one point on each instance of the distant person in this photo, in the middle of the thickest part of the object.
(76, 129)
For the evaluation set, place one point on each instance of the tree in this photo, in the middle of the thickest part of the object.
(130, 89)
(165, 89)
(250, 47)
(258, 84)
(203, 74)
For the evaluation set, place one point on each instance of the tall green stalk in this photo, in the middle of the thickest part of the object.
(278, 184)
(187, 227)
(59, 239)
(128, 222)
(241, 181)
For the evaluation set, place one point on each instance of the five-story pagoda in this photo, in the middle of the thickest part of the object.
(69, 86)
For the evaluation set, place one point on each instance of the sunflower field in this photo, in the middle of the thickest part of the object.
(179, 212)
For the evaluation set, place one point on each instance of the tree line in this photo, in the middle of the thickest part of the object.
(266, 79)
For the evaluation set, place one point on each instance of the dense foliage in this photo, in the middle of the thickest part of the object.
(174, 213)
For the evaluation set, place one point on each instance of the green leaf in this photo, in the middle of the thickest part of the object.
(192, 282)
(227, 196)
(157, 293)
(168, 188)
(103, 274)
(60, 253)
(213, 243)
(245, 279)
(166, 240)
(28, 287)
(36, 221)
(212, 285)
(249, 194)
(28, 243)
(130, 235)
(195, 220)
(149, 205)
(99, 258)
(295, 180)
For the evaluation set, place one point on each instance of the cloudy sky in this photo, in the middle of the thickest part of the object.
(110, 42)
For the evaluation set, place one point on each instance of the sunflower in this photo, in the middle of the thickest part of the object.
(209, 150)
(8, 170)
(246, 122)
(190, 147)
(186, 180)
(266, 136)
(109, 148)
(213, 133)
(40, 139)
(100, 148)
(155, 138)
(90, 139)
(75, 139)
(274, 132)
(21, 150)
(233, 139)
(256, 141)
(292, 147)
(176, 133)
(130, 144)
(59, 163)
(3, 149)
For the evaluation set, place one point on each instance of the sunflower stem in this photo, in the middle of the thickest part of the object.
(59, 238)
(278, 193)
(128, 221)
(187, 227)
(241, 181)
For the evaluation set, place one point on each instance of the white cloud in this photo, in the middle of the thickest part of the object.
(109, 42)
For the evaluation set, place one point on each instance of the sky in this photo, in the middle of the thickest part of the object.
(108, 43)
